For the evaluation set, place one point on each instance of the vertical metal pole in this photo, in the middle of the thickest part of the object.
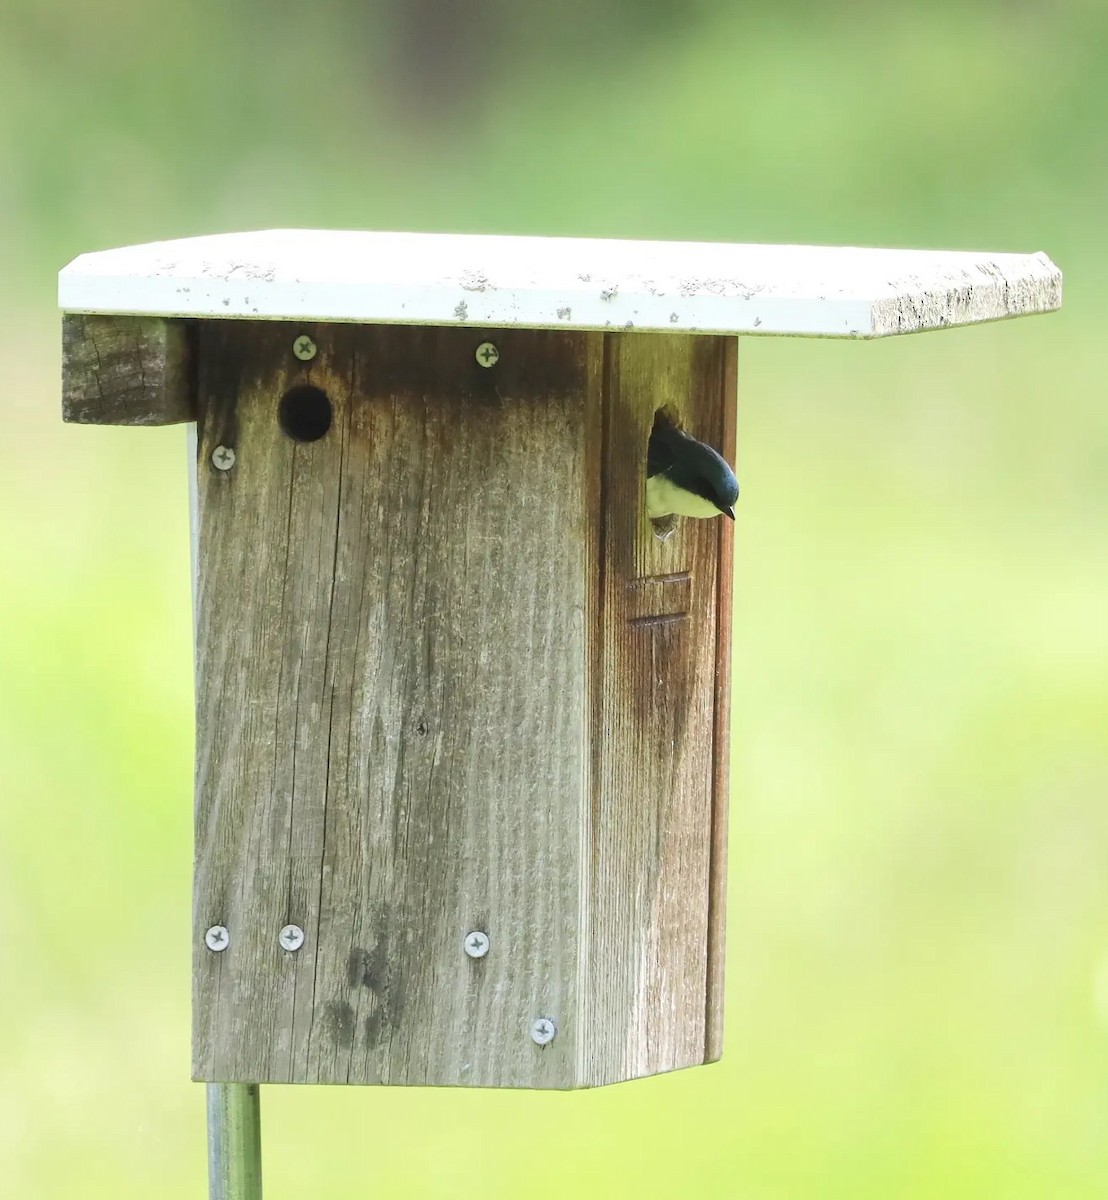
(234, 1111)
(234, 1142)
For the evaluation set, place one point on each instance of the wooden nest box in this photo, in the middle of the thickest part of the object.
(461, 760)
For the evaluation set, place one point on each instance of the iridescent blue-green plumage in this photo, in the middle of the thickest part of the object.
(685, 477)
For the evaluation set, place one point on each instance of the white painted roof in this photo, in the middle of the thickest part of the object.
(570, 283)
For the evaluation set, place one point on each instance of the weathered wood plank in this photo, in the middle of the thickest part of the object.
(653, 808)
(391, 713)
(126, 371)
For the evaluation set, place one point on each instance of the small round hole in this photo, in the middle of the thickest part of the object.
(305, 413)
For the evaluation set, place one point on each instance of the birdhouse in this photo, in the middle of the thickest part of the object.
(462, 707)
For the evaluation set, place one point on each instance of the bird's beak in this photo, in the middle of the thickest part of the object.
(729, 512)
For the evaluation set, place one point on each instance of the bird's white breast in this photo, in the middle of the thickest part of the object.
(663, 497)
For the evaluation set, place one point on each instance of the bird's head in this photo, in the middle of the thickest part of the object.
(706, 474)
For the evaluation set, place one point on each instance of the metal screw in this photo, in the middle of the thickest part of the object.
(291, 937)
(487, 354)
(223, 458)
(543, 1031)
(476, 944)
(217, 938)
(664, 527)
(304, 348)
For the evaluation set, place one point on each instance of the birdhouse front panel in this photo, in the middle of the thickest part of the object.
(456, 708)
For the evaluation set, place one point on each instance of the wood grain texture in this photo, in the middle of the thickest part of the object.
(654, 704)
(391, 708)
(126, 371)
(447, 679)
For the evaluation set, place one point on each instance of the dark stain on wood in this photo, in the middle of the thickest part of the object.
(373, 1027)
(339, 1023)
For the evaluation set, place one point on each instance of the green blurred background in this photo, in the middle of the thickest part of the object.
(918, 941)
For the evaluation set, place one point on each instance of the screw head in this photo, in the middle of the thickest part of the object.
(664, 527)
(291, 937)
(476, 944)
(223, 458)
(304, 348)
(543, 1031)
(487, 354)
(217, 938)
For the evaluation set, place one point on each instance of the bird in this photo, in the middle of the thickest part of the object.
(684, 477)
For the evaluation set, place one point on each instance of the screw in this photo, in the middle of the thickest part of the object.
(664, 527)
(291, 937)
(304, 348)
(543, 1031)
(217, 938)
(476, 944)
(487, 354)
(223, 458)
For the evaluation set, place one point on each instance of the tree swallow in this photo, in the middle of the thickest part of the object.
(684, 477)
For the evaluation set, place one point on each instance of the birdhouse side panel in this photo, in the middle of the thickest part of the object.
(660, 695)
